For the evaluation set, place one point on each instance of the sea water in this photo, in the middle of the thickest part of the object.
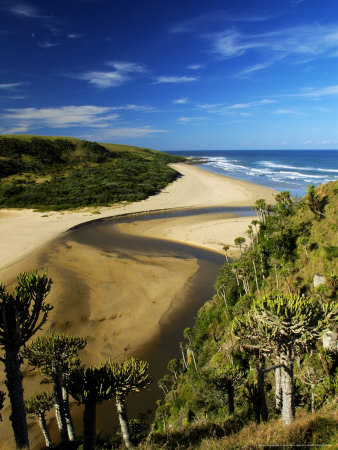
(283, 170)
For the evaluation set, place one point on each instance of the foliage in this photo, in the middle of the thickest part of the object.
(273, 278)
(46, 173)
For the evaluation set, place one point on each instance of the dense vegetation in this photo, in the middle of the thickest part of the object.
(60, 173)
(259, 367)
(266, 345)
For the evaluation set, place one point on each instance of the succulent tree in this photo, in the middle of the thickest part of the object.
(22, 314)
(90, 386)
(226, 248)
(250, 339)
(287, 326)
(240, 241)
(128, 376)
(261, 208)
(37, 406)
(315, 202)
(56, 357)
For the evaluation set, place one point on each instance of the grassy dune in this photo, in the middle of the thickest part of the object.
(53, 173)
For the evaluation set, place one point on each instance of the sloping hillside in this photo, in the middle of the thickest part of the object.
(227, 378)
(60, 173)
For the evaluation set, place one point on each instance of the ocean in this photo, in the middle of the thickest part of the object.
(283, 170)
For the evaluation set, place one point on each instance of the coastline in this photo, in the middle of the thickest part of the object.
(24, 231)
(119, 300)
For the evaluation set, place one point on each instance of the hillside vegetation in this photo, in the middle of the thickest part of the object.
(263, 352)
(59, 173)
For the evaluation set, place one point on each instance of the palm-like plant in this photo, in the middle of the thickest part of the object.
(37, 406)
(240, 241)
(128, 376)
(284, 326)
(56, 357)
(22, 314)
(90, 386)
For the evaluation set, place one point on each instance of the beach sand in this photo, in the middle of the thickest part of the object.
(117, 303)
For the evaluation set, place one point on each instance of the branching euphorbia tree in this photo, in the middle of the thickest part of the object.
(90, 386)
(22, 314)
(288, 326)
(56, 357)
(128, 376)
(37, 406)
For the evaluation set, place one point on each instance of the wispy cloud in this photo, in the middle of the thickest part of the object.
(181, 101)
(131, 132)
(127, 67)
(26, 10)
(211, 20)
(48, 44)
(174, 79)
(309, 41)
(223, 108)
(74, 35)
(122, 73)
(284, 111)
(184, 119)
(65, 116)
(6, 86)
(322, 92)
(14, 130)
(195, 67)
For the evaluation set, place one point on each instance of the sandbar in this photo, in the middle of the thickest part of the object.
(117, 303)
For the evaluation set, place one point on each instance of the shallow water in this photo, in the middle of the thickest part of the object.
(104, 235)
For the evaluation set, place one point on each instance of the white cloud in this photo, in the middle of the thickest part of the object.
(122, 73)
(13, 130)
(285, 111)
(308, 41)
(26, 10)
(123, 66)
(190, 119)
(173, 79)
(195, 66)
(74, 35)
(48, 44)
(181, 101)
(105, 79)
(9, 85)
(322, 92)
(223, 108)
(132, 132)
(65, 116)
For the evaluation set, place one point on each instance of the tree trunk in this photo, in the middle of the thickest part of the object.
(69, 422)
(231, 404)
(59, 408)
(263, 409)
(182, 351)
(44, 429)
(256, 278)
(288, 407)
(15, 393)
(278, 390)
(123, 418)
(276, 276)
(89, 426)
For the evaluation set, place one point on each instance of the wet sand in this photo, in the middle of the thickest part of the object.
(123, 300)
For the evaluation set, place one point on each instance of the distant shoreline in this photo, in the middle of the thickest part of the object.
(119, 299)
(23, 231)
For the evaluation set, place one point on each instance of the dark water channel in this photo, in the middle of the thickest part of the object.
(103, 235)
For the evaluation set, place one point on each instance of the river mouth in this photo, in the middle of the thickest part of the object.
(79, 262)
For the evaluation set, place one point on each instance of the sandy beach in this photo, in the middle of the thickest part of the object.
(23, 231)
(117, 300)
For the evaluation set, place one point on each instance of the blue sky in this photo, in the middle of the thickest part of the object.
(167, 74)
